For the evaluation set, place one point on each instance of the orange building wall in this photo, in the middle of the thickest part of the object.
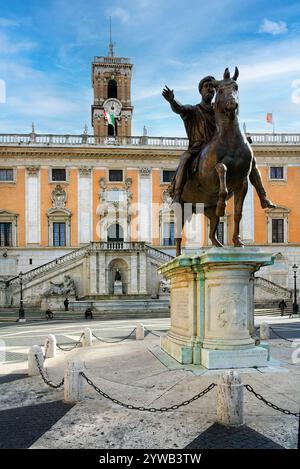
(292, 198)
(12, 198)
(46, 203)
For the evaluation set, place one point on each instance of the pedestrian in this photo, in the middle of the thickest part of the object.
(282, 305)
(49, 314)
(88, 313)
(66, 303)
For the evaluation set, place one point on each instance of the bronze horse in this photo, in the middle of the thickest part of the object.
(223, 167)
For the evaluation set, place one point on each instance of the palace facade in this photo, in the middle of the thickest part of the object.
(104, 198)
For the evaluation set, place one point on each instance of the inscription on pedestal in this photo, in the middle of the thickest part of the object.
(180, 302)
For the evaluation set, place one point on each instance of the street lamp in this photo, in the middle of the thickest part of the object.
(295, 304)
(21, 309)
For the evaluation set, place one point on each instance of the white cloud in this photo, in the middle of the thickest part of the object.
(14, 47)
(120, 13)
(273, 27)
(269, 69)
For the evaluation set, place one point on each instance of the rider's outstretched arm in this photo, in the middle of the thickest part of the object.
(176, 107)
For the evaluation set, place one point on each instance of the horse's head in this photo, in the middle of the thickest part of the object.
(227, 94)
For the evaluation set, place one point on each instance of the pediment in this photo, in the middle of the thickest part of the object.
(279, 209)
(7, 213)
(59, 211)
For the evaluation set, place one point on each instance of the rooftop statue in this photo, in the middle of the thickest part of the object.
(219, 161)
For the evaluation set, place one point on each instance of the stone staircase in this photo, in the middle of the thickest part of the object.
(274, 288)
(34, 281)
(66, 259)
(102, 310)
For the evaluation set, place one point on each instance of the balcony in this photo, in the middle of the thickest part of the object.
(84, 140)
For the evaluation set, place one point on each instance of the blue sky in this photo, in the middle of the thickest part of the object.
(46, 50)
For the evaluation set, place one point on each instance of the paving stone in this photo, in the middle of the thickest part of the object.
(12, 377)
(22, 426)
(220, 437)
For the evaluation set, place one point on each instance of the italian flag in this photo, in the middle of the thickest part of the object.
(110, 118)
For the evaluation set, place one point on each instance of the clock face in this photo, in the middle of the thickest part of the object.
(112, 106)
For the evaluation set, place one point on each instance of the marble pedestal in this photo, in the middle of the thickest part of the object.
(118, 288)
(212, 308)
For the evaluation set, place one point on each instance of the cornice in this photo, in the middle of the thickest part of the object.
(115, 153)
(120, 152)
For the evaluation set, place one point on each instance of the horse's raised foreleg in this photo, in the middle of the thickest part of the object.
(221, 170)
(239, 197)
(210, 213)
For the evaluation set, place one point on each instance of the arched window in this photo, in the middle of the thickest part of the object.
(112, 89)
(115, 233)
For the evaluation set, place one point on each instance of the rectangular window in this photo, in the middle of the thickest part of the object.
(116, 196)
(58, 174)
(116, 175)
(6, 174)
(277, 230)
(169, 234)
(59, 234)
(276, 172)
(168, 175)
(220, 232)
(5, 234)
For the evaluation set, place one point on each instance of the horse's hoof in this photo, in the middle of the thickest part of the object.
(217, 243)
(238, 243)
(266, 203)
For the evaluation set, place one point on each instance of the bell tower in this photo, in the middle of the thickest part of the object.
(111, 80)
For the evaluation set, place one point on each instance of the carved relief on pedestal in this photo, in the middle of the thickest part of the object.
(232, 310)
(228, 306)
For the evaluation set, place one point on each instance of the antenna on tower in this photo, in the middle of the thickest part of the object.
(111, 46)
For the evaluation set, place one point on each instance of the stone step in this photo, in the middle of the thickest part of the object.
(71, 315)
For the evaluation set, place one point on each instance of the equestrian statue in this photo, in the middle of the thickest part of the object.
(219, 160)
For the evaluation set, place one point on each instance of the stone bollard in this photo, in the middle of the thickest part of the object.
(264, 331)
(140, 331)
(50, 346)
(32, 365)
(87, 340)
(73, 385)
(230, 399)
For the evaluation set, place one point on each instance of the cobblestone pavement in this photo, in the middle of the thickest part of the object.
(220, 437)
(21, 427)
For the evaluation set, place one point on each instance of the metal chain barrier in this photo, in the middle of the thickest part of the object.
(153, 333)
(47, 381)
(148, 409)
(113, 341)
(72, 348)
(278, 335)
(268, 403)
